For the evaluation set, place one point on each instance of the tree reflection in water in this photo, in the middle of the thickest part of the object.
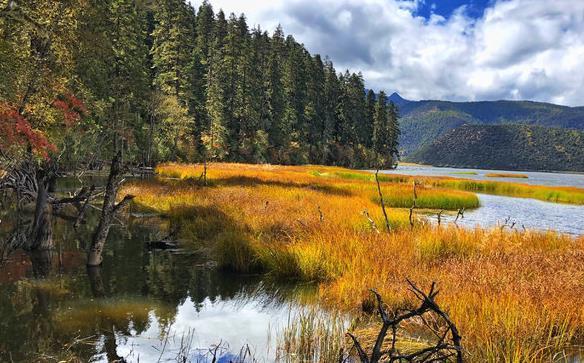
(53, 307)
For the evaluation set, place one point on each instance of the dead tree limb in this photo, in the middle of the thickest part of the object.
(414, 205)
(460, 214)
(448, 342)
(371, 221)
(387, 225)
(83, 208)
(108, 212)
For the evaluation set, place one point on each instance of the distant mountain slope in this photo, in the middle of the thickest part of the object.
(512, 147)
(424, 121)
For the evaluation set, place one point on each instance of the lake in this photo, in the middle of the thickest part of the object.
(534, 178)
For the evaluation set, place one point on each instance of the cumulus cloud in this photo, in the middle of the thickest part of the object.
(517, 49)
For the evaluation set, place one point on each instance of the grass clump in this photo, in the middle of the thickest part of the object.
(555, 194)
(507, 175)
(515, 296)
(464, 173)
(569, 195)
(311, 336)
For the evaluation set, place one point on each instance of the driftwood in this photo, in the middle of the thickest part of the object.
(447, 347)
(387, 225)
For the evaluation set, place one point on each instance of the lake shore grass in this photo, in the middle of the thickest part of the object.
(555, 194)
(507, 175)
(515, 296)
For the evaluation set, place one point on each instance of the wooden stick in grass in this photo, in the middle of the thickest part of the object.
(382, 202)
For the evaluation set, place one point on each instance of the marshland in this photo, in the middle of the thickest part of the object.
(177, 185)
(293, 252)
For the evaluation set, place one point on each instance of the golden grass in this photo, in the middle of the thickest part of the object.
(311, 336)
(516, 297)
(569, 195)
(507, 175)
(556, 194)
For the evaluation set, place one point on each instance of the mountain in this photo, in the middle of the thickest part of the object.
(507, 147)
(423, 122)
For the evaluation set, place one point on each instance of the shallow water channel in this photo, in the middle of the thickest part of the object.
(520, 214)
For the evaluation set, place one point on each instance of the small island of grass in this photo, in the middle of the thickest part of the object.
(507, 175)
(464, 173)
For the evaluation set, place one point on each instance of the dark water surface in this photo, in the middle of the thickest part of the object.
(143, 306)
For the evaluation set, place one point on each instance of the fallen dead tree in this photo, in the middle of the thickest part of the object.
(446, 347)
(108, 212)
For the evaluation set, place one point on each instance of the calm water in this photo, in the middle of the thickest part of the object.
(535, 178)
(141, 305)
(524, 213)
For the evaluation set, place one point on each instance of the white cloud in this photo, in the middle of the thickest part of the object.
(519, 49)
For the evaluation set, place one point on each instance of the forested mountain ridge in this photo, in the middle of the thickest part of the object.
(159, 80)
(424, 121)
(507, 147)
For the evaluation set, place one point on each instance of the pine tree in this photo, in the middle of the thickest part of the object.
(174, 64)
(381, 135)
(394, 132)
(332, 94)
(215, 134)
(314, 109)
(367, 128)
(129, 83)
(275, 93)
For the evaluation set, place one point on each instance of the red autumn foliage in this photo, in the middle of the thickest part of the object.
(15, 130)
(73, 108)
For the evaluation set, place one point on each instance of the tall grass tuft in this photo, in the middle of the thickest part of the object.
(312, 336)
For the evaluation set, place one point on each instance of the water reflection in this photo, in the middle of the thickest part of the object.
(137, 303)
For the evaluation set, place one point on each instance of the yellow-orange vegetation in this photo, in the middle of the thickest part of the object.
(515, 296)
(507, 175)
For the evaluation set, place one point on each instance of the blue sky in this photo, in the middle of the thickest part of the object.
(445, 8)
(459, 50)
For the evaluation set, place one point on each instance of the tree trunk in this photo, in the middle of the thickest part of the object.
(107, 213)
(42, 231)
(96, 282)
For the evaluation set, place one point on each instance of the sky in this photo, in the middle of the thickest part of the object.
(457, 50)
